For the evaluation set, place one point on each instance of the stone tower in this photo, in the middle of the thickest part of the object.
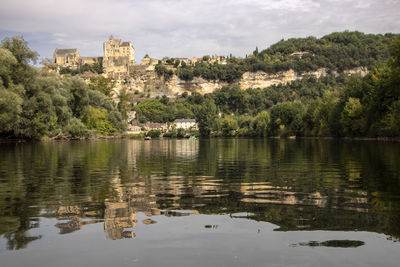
(118, 55)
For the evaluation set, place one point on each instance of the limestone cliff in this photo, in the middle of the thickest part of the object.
(147, 82)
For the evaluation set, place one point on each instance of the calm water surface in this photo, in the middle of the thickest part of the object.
(218, 202)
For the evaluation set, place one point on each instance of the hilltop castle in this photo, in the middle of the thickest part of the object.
(117, 58)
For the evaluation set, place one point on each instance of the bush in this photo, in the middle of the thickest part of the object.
(76, 129)
(96, 119)
(154, 133)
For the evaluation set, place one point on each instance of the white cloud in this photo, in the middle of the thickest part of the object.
(190, 27)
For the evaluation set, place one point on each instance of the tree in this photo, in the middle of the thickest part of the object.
(391, 121)
(96, 119)
(8, 61)
(260, 124)
(352, 117)
(287, 118)
(21, 72)
(206, 115)
(229, 126)
(10, 111)
(124, 103)
(102, 84)
(79, 100)
(76, 129)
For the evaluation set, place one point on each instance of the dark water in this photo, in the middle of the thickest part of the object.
(219, 202)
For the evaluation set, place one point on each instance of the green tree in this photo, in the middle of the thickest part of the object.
(229, 126)
(96, 119)
(10, 111)
(287, 118)
(79, 100)
(124, 103)
(22, 72)
(76, 129)
(351, 117)
(102, 84)
(206, 115)
(260, 124)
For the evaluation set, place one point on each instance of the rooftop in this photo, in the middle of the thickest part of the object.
(66, 51)
(185, 120)
(126, 44)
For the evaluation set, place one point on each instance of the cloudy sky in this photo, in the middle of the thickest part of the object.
(187, 28)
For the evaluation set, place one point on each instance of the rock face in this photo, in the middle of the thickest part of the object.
(261, 79)
(147, 82)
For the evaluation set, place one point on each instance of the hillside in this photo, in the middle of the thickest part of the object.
(335, 52)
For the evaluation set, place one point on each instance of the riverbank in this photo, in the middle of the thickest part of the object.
(142, 135)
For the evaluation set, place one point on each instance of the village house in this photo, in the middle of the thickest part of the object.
(185, 124)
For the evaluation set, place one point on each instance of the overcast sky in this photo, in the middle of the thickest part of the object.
(187, 28)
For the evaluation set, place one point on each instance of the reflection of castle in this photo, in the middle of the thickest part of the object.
(149, 184)
(117, 217)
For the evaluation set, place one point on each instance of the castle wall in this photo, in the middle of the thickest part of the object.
(90, 60)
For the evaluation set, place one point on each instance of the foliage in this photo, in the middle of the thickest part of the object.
(35, 104)
(260, 124)
(162, 110)
(335, 52)
(102, 84)
(162, 70)
(287, 118)
(206, 115)
(10, 111)
(229, 126)
(96, 119)
(351, 117)
(76, 129)
(95, 68)
(124, 104)
(153, 133)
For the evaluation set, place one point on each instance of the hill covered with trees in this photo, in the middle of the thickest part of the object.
(335, 52)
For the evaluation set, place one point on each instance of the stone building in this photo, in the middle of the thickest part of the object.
(118, 56)
(71, 58)
(66, 57)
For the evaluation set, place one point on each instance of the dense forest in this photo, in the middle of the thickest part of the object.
(35, 103)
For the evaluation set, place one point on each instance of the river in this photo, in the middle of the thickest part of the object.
(207, 202)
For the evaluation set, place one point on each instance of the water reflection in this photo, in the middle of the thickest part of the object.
(294, 184)
(334, 243)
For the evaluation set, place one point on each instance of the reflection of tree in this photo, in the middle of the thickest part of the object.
(18, 240)
(296, 184)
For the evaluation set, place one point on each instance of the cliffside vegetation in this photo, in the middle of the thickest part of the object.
(335, 52)
(95, 68)
(36, 103)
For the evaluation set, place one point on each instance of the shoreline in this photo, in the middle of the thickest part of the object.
(380, 139)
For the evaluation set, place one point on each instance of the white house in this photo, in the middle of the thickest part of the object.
(185, 124)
